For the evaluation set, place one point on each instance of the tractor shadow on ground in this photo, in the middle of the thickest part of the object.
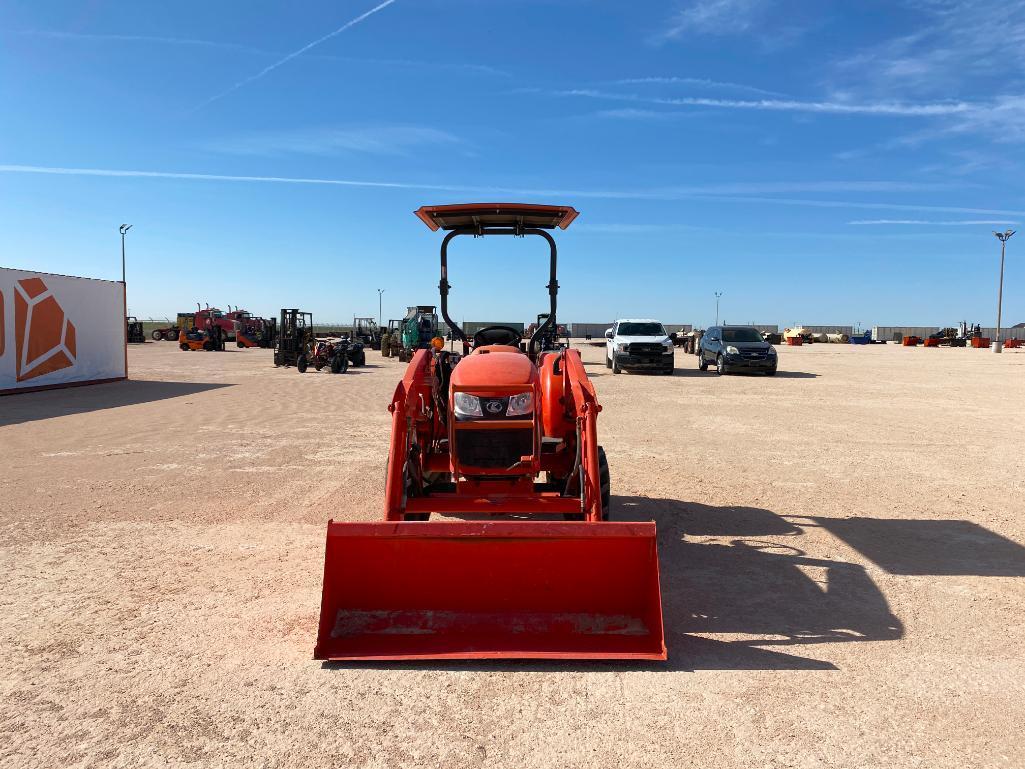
(720, 575)
(933, 548)
(30, 407)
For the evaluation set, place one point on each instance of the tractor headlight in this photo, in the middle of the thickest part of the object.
(731, 350)
(467, 405)
(521, 404)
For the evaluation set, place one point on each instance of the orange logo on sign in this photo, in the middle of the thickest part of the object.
(44, 339)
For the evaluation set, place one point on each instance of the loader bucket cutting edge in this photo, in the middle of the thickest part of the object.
(472, 590)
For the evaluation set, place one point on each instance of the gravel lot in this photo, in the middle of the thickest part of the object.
(841, 552)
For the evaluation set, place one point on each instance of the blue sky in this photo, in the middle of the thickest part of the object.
(817, 162)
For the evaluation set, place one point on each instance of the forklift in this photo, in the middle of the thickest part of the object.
(133, 331)
(295, 339)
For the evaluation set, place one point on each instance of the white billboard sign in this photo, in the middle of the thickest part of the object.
(57, 330)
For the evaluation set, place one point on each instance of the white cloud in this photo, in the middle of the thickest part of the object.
(698, 82)
(721, 193)
(955, 43)
(961, 223)
(787, 105)
(370, 139)
(713, 17)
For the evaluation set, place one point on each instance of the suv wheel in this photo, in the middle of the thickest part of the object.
(720, 364)
(702, 363)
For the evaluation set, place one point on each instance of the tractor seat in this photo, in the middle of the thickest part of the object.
(497, 335)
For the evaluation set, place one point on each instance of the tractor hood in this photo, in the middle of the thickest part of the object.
(657, 339)
(494, 365)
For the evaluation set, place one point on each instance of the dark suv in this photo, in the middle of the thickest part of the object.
(736, 348)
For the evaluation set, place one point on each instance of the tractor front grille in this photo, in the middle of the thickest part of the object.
(645, 348)
(497, 449)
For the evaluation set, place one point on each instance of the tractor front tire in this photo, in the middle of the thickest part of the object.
(302, 364)
(606, 490)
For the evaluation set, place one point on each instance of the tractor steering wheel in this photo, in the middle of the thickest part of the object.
(505, 335)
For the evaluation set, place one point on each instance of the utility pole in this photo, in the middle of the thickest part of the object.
(380, 318)
(1003, 237)
(717, 295)
(124, 228)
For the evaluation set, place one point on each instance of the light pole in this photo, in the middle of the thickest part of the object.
(1003, 237)
(717, 295)
(380, 318)
(124, 228)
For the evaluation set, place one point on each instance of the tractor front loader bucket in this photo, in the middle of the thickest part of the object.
(481, 589)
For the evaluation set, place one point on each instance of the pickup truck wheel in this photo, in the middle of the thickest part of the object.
(702, 363)
(720, 365)
(615, 366)
(608, 361)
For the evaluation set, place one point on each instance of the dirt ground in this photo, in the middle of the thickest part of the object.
(841, 550)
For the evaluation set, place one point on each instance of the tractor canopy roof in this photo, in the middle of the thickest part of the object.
(474, 215)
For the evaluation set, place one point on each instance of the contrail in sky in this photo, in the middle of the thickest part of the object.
(713, 193)
(294, 54)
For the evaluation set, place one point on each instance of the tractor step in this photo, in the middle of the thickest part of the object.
(480, 589)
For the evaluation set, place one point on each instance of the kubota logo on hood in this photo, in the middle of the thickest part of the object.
(44, 338)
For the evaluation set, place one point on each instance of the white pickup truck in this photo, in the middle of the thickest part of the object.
(638, 343)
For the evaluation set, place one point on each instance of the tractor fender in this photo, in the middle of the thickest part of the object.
(553, 410)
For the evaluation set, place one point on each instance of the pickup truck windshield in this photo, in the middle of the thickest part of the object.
(641, 329)
(741, 335)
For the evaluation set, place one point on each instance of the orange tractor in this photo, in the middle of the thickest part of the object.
(505, 442)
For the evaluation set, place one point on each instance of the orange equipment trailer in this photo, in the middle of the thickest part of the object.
(482, 436)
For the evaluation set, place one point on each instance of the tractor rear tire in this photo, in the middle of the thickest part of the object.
(302, 364)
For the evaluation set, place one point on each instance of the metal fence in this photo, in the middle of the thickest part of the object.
(896, 333)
